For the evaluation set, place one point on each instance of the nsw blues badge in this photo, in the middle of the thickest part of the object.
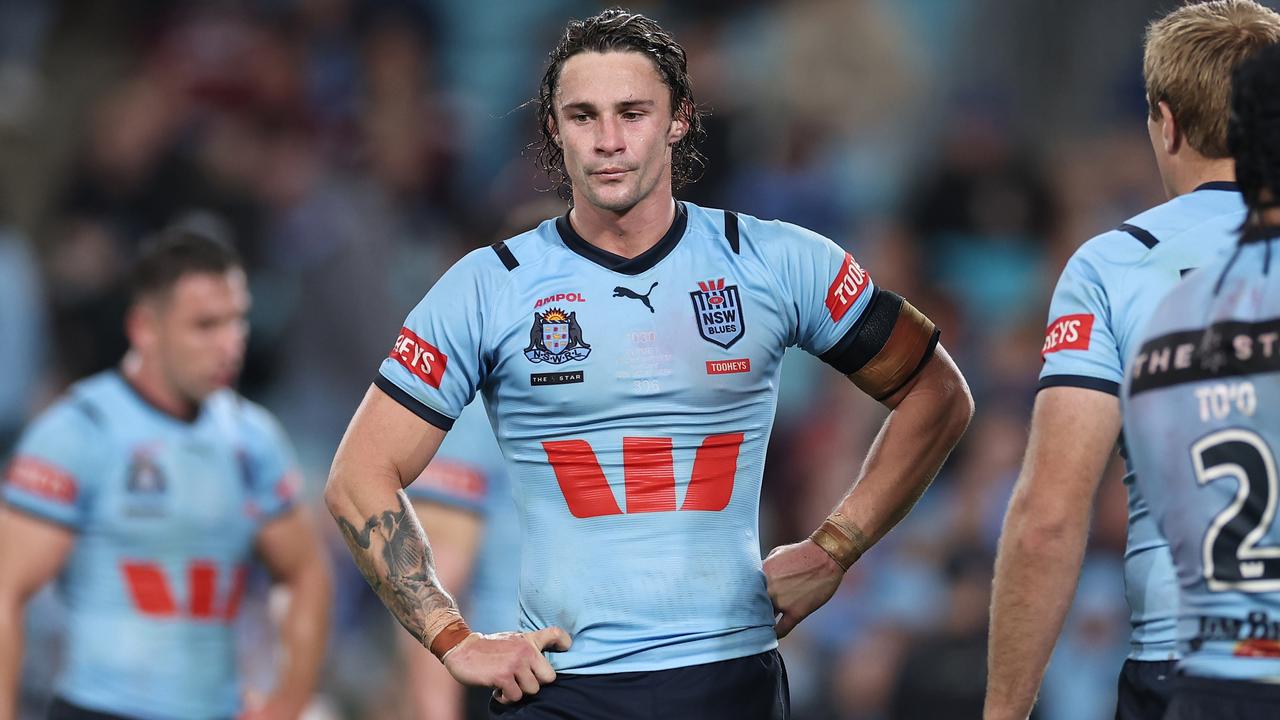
(556, 337)
(718, 311)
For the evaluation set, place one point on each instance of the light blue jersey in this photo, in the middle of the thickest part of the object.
(1105, 295)
(633, 400)
(1202, 423)
(469, 472)
(165, 514)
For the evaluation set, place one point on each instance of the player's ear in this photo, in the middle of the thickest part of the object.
(680, 123)
(1170, 132)
(554, 131)
(141, 323)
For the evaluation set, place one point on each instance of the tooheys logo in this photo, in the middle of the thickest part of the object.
(1069, 332)
(845, 289)
(419, 357)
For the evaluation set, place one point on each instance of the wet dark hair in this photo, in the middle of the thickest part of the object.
(1253, 132)
(619, 30)
(177, 251)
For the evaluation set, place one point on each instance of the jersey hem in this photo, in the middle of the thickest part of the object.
(1086, 382)
(413, 404)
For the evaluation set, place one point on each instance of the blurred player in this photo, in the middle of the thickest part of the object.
(145, 491)
(628, 353)
(464, 496)
(1105, 294)
(1202, 425)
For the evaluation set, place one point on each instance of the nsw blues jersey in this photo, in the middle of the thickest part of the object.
(165, 513)
(469, 472)
(633, 399)
(1202, 424)
(1105, 295)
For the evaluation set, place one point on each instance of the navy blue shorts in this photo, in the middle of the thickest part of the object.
(749, 688)
(1212, 699)
(1145, 690)
(60, 709)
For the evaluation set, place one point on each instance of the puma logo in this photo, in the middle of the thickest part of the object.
(629, 293)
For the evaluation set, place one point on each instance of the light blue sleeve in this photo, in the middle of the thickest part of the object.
(825, 287)
(435, 365)
(54, 466)
(274, 477)
(460, 474)
(1080, 347)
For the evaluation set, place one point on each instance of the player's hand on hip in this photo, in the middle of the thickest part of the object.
(510, 662)
(801, 577)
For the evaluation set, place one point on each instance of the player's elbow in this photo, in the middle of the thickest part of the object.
(954, 402)
(1036, 525)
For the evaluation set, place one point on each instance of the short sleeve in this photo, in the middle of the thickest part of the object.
(827, 288)
(434, 367)
(54, 465)
(274, 477)
(1080, 348)
(459, 474)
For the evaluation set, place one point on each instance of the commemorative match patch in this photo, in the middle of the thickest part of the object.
(848, 286)
(419, 357)
(717, 308)
(1069, 332)
(726, 367)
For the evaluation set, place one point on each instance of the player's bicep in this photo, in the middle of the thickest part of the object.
(32, 552)
(386, 437)
(1073, 437)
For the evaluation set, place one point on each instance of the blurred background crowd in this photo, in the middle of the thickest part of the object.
(961, 149)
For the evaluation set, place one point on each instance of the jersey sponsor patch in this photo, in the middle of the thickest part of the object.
(848, 286)
(559, 298)
(717, 308)
(43, 479)
(1069, 332)
(419, 357)
(556, 337)
(725, 367)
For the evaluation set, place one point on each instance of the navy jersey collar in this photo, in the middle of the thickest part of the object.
(146, 401)
(617, 263)
(1258, 233)
(1218, 185)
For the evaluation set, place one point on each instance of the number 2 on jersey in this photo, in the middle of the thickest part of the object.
(1231, 556)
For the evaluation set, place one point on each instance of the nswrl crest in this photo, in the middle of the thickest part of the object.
(556, 337)
(718, 311)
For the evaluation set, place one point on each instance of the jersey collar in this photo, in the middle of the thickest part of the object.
(617, 263)
(1218, 185)
(1258, 233)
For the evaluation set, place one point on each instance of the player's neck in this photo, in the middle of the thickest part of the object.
(1202, 170)
(145, 379)
(629, 233)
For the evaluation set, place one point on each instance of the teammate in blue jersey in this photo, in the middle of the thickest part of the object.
(628, 355)
(1107, 291)
(1202, 426)
(145, 491)
(464, 496)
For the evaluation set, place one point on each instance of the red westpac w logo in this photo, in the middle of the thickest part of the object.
(649, 474)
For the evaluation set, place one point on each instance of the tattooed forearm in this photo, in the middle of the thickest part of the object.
(392, 553)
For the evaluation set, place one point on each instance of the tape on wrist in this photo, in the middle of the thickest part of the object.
(445, 629)
(841, 539)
